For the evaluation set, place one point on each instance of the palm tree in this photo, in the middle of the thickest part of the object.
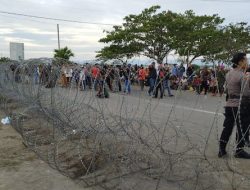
(4, 59)
(64, 53)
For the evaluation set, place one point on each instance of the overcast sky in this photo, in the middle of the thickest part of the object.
(40, 36)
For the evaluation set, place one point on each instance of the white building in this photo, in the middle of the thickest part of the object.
(16, 51)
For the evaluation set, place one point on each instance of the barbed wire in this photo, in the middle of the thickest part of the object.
(122, 142)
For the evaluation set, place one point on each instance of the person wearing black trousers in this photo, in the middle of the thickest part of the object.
(204, 80)
(152, 79)
(159, 83)
(236, 110)
(246, 105)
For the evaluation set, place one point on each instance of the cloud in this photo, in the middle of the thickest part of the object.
(79, 39)
(6, 31)
(27, 42)
(10, 39)
(36, 31)
(40, 36)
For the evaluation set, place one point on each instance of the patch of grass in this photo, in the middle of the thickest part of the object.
(12, 159)
(9, 163)
(2, 98)
(10, 137)
(31, 158)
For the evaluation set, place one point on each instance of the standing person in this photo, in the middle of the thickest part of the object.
(213, 83)
(69, 74)
(190, 74)
(221, 79)
(64, 78)
(82, 81)
(245, 102)
(204, 80)
(175, 71)
(175, 77)
(117, 79)
(100, 76)
(127, 78)
(76, 75)
(102, 91)
(236, 111)
(181, 71)
(142, 77)
(95, 72)
(159, 82)
(88, 76)
(108, 77)
(166, 81)
(112, 78)
(152, 75)
(197, 83)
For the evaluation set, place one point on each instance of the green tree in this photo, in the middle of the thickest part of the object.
(196, 36)
(4, 59)
(146, 34)
(63, 53)
(235, 38)
(155, 34)
(116, 52)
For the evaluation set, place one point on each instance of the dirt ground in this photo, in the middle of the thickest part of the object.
(21, 169)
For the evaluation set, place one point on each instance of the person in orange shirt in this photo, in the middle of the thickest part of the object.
(142, 77)
(95, 72)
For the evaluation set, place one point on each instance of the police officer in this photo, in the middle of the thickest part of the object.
(236, 110)
(245, 102)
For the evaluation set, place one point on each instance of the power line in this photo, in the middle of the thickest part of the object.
(26, 19)
(56, 19)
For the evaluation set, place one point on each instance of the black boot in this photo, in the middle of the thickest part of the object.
(247, 144)
(240, 153)
(222, 151)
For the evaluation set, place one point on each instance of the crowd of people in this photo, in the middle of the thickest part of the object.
(159, 79)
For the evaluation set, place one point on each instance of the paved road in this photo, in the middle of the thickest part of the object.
(201, 117)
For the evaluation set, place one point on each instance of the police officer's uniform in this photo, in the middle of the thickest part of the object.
(237, 111)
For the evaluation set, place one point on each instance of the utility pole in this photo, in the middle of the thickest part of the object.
(58, 37)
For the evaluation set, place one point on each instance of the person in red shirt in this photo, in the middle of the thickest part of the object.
(159, 82)
(197, 83)
(95, 71)
(142, 77)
